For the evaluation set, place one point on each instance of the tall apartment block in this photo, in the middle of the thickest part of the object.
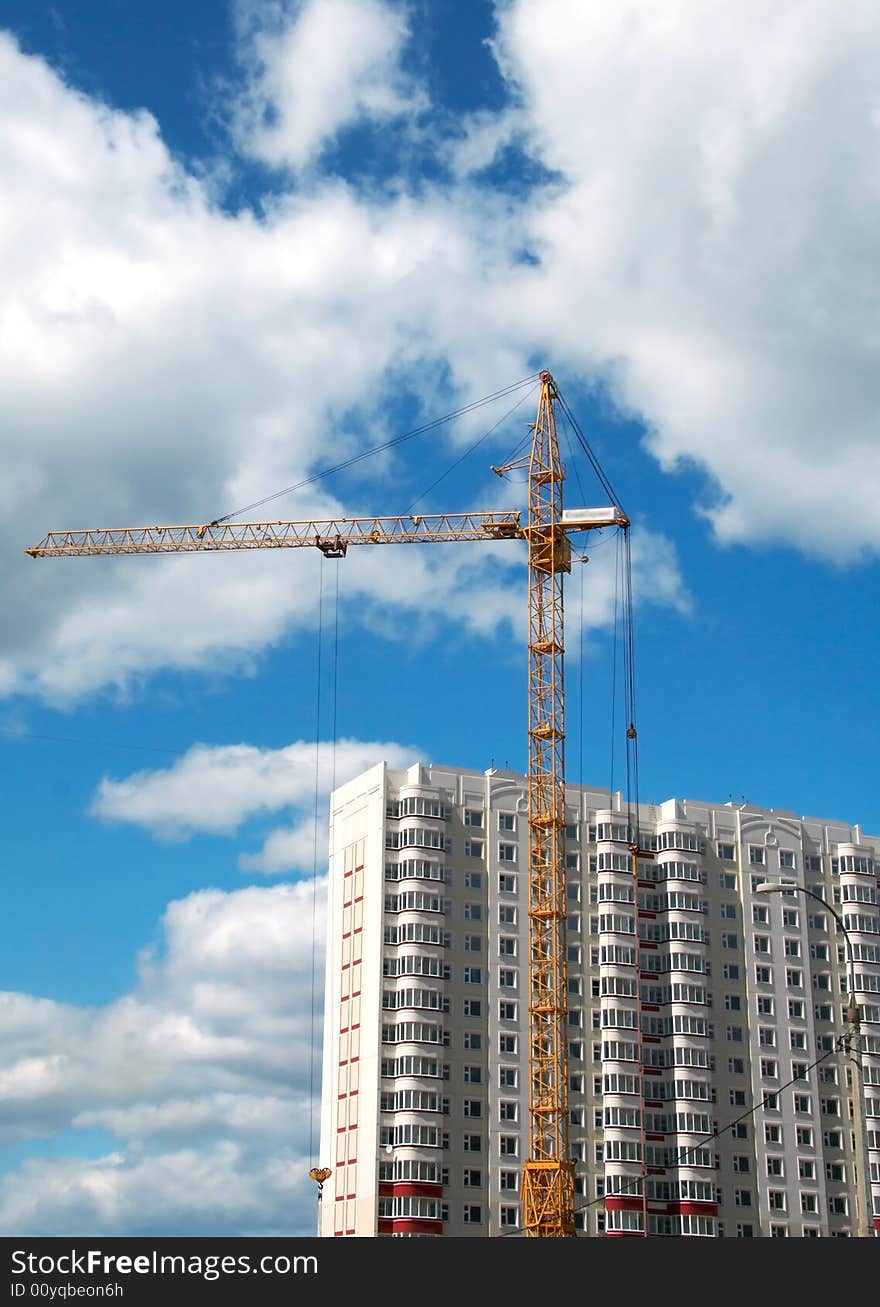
(708, 1093)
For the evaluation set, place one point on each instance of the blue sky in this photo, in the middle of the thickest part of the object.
(243, 243)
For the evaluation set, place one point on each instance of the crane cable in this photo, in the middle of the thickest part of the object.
(331, 785)
(378, 449)
(467, 453)
(312, 1039)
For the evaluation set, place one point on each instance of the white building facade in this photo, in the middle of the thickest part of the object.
(708, 1092)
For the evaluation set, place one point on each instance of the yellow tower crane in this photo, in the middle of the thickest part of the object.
(548, 1173)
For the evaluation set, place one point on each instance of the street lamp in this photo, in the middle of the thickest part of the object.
(864, 1204)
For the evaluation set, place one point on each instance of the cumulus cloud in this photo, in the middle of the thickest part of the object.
(317, 66)
(710, 242)
(204, 1075)
(705, 248)
(162, 364)
(215, 789)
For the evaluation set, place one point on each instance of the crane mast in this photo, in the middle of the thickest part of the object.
(548, 1174)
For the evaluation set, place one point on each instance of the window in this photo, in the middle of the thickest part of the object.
(790, 918)
(506, 883)
(765, 1005)
(473, 976)
(473, 912)
(508, 1145)
(507, 978)
(729, 940)
(726, 852)
(472, 1143)
(802, 1104)
(806, 1168)
(727, 880)
(809, 1202)
(804, 1134)
(507, 853)
(797, 1038)
(830, 1106)
(473, 1178)
(507, 947)
(786, 858)
(472, 1007)
(507, 915)
(739, 1130)
(728, 911)
(473, 879)
(776, 1200)
(767, 1036)
(740, 1163)
(734, 1034)
(742, 1198)
(506, 1011)
(763, 975)
(792, 948)
(473, 1075)
(794, 978)
(473, 817)
(507, 1077)
(736, 1066)
(756, 855)
(508, 1180)
(737, 1097)
(473, 849)
(772, 1133)
(838, 1205)
(774, 1166)
(473, 1214)
(508, 1216)
(762, 943)
(508, 1110)
(472, 1039)
(732, 1002)
(795, 1007)
(508, 1044)
(760, 913)
(769, 1068)
(473, 1107)
(506, 821)
(730, 971)
(745, 1231)
(473, 943)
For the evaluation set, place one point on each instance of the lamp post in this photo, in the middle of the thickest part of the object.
(864, 1204)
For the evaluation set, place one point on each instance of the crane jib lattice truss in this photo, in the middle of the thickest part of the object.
(548, 1173)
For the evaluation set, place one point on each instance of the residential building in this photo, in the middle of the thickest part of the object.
(708, 1095)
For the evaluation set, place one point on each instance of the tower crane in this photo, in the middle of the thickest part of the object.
(548, 1172)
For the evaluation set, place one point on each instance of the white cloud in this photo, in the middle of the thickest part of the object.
(707, 248)
(215, 789)
(317, 66)
(711, 243)
(205, 1074)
